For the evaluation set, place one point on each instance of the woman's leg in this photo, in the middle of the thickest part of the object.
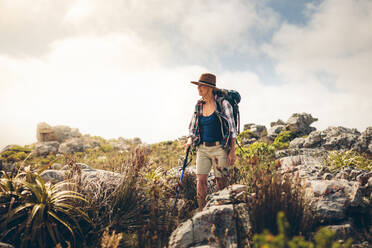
(203, 166)
(201, 187)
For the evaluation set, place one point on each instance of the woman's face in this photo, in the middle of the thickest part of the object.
(204, 90)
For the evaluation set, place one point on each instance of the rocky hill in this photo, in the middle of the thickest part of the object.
(329, 171)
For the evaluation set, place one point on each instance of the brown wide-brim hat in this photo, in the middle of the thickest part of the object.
(206, 79)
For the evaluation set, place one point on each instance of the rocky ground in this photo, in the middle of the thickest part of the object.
(339, 198)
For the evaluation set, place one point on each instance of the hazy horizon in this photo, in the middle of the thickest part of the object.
(124, 69)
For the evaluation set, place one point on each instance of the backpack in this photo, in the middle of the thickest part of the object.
(233, 97)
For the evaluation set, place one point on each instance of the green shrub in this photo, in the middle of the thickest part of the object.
(283, 139)
(38, 214)
(339, 159)
(15, 153)
(258, 151)
(324, 238)
(107, 147)
(246, 134)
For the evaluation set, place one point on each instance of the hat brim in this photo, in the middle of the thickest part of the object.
(201, 83)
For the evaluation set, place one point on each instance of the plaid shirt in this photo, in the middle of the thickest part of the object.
(226, 116)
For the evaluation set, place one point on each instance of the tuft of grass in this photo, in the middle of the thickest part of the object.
(339, 159)
(271, 192)
(282, 140)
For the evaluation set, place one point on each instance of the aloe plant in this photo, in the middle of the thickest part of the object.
(41, 214)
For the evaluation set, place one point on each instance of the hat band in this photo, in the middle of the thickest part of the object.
(207, 82)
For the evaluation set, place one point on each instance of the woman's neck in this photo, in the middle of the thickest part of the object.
(209, 98)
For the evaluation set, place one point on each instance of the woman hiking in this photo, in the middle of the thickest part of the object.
(212, 130)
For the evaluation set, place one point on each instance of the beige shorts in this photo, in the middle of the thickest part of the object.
(208, 156)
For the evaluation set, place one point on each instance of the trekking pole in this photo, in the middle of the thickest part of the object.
(185, 164)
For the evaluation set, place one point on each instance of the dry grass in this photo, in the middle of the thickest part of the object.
(272, 192)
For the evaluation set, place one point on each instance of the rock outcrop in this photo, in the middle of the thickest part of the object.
(337, 138)
(299, 124)
(221, 223)
(336, 202)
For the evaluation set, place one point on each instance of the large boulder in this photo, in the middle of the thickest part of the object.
(277, 123)
(258, 131)
(46, 148)
(364, 142)
(333, 138)
(333, 198)
(72, 146)
(274, 131)
(336, 138)
(299, 124)
(218, 225)
(88, 174)
(64, 133)
(45, 133)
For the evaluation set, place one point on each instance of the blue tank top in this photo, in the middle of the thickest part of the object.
(210, 128)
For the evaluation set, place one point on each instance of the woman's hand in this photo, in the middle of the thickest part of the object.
(188, 144)
(231, 157)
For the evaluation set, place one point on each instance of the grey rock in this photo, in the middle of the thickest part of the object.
(313, 152)
(46, 148)
(274, 131)
(198, 230)
(72, 146)
(332, 198)
(258, 130)
(297, 143)
(308, 167)
(277, 123)
(313, 140)
(64, 133)
(220, 213)
(343, 231)
(244, 225)
(364, 142)
(56, 166)
(121, 146)
(299, 124)
(81, 166)
(89, 143)
(183, 236)
(248, 126)
(53, 175)
(45, 133)
(336, 138)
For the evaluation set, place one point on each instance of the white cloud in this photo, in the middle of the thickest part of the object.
(336, 42)
(333, 50)
(123, 69)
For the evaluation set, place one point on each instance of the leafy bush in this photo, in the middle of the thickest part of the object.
(15, 153)
(339, 159)
(324, 238)
(258, 151)
(283, 139)
(245, 135)
(106, 147)
(38, 214)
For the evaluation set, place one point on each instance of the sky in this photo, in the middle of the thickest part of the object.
(122, 68)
